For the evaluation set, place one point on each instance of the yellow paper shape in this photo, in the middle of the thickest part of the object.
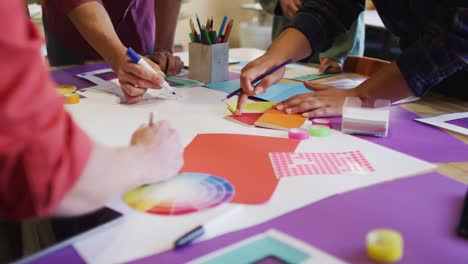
(253, 107)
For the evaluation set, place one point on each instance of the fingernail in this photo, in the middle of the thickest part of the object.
(289, 110)
(258, 90)
(305, 114)
(280, 107)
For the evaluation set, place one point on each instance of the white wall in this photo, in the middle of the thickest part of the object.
(217, 9)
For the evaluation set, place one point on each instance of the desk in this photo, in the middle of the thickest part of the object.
(137, 219)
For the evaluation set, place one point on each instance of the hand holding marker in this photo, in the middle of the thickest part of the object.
(140, 61)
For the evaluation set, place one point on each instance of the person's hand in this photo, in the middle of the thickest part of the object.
(250, 72)
(169, 64)
(162, 147)
(290, 7)
(329, 66)
(135, 80)
(325, 101)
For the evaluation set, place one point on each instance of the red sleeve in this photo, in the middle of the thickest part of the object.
(65, 6)
(42, 151)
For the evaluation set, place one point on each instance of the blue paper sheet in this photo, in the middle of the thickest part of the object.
(282, 91)
(225, 86)
(275, 93)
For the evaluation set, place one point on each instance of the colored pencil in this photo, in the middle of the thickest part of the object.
(259, 78)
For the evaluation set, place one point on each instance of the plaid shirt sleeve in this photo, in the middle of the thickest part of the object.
(321, 21)
(429, 60)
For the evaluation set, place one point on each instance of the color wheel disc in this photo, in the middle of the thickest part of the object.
(185, 193)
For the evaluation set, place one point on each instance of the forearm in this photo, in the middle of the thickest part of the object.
(290, 44)
(387, 83)
(166, 13)
(93, 22)
(321, 21)
(107, 173)
(349, 41)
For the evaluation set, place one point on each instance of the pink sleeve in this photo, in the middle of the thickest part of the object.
(42, 151)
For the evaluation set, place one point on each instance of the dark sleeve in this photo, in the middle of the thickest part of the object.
(430, 60)
(322, 21)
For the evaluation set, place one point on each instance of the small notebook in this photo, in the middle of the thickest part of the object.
(276, 119)
(248, 119)
(253, 107)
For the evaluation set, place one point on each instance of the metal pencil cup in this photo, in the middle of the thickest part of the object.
(208, 63)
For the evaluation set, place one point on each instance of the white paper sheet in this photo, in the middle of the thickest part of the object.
(441, 121)
(344, 83)
(201, 111)
(314, 255)
(295, 70)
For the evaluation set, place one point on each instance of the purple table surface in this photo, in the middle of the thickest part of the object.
(424, 209)
(417, 139)
(65, 255)
(67, 76)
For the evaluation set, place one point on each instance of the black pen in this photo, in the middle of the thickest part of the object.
(462, 228)
(198, 231)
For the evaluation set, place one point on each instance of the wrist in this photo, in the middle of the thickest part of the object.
(116, 57)
(360, 92)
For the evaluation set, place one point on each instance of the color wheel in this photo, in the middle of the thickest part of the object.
(185, 193)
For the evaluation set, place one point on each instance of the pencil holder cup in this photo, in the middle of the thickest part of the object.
(208, 63)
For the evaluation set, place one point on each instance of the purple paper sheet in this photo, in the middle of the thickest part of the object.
(462, 122)
(68, 76)
(425, 209)
(65, 255)
(417, 139)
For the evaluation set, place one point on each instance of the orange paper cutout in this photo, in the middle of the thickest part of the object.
(276, 119)
(240, 159)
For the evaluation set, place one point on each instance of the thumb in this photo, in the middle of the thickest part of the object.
(269, 81)
(315, 86)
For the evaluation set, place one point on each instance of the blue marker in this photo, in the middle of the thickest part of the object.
(198, 231)
(222, 26)
(140, 61)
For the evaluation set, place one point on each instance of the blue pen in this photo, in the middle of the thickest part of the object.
(222, 26)
(198, 231)
(259, 78)
(140, 61)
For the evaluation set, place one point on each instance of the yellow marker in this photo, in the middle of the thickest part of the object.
(66, 89)
(72, 98)
(384, 245)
